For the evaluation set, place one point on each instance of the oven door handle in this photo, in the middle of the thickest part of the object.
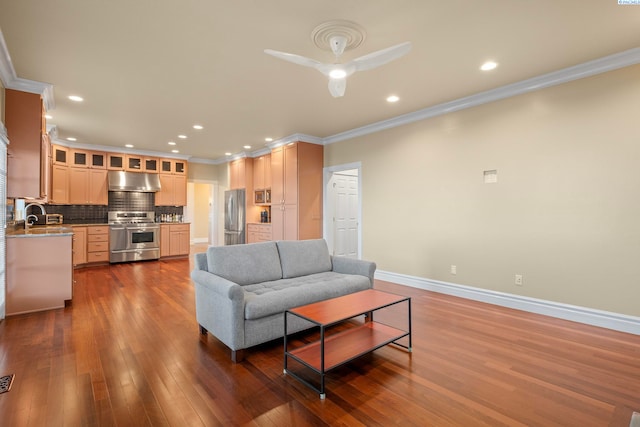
(115, 229)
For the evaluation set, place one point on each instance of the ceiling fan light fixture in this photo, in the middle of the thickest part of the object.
(337, 73)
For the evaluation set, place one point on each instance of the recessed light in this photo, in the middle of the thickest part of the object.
(171, 143)
(227, 154)
(199, 127)
(268, 139)
(175, 151)
(128, 145)
(182, 136)
(488, 66)
(246, 147)
(393, 98)
(71, 139)
(48, 116)
(76, 98)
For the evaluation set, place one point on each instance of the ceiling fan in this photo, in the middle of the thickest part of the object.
(339, 38)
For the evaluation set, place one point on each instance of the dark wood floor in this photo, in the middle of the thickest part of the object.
(128, 353)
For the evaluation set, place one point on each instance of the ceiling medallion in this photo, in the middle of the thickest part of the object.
(352, 33)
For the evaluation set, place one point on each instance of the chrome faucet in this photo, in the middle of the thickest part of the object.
(28, 217)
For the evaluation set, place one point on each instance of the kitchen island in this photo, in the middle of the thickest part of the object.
(39, 269)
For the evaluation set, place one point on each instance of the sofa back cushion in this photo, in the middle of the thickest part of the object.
(303, 257)
(245, 264)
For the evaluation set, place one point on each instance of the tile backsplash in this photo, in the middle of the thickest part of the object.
(118, 201)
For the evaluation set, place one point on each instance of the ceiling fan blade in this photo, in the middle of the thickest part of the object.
(296, 59)
(337, 87)
(380, 57)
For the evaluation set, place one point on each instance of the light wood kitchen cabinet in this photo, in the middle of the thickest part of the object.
(88, 159)
(24, 120)
(173, 183)
(151, 164)
(241, 175)
(60, 155)
(115, 162)
(39, 273)
(259, 233)
(296, 191)
(88, 186)
(97, 244)
(80, 158)
(59, 184)
(175, 239)
(262, 172)
(133, 163)
(79, 246)
(173, 166)
(97, 160)
(173, 190)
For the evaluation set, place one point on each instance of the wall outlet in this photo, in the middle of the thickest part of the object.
(454, 269)
(518, 280)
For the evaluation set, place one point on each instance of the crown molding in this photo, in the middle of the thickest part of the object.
(10, 80)
(110, 149)
(580, 71)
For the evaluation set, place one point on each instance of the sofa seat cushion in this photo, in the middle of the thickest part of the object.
(303, 257)
(245, 264)
(264, 299)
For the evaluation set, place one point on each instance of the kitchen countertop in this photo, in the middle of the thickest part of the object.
(41, 231)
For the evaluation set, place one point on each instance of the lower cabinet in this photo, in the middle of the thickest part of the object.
(39, 275)
(79, 246)
(90, 244)
(259, 233)
(97, 243)
(175, 240)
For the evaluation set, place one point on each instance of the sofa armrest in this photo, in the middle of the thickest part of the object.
(220, 307)
(354, 266)
(217, 284)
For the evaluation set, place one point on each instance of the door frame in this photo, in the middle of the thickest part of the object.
(327, 174)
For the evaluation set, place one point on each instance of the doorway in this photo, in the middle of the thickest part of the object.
(201, 212)
(342, 210)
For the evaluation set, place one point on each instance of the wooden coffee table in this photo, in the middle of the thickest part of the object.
(331, 351)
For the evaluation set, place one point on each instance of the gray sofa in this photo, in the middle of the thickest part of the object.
(242, 291)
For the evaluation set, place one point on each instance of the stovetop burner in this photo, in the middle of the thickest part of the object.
(128, 217)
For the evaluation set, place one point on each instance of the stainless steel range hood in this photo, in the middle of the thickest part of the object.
(133, 181)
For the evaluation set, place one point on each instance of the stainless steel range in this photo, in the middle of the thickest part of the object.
(133, 236)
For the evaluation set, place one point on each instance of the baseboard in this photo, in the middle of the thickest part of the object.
(200, 240)
(589, 316)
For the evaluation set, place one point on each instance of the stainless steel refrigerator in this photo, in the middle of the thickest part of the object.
(234, 217)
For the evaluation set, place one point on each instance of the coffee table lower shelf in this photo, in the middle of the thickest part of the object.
(346, 346)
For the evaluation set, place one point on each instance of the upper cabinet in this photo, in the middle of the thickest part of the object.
(262, 172)
(115, 162)
(27, 153)
(88, 159)
(241, 174)
(173, 166)
(173, 183)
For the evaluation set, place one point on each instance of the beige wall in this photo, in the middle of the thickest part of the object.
(565, 212)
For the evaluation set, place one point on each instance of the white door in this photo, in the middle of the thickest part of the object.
(345, 219)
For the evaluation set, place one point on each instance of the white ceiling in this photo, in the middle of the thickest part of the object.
(150, 69)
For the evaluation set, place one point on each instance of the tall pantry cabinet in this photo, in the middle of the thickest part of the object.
(296, 191)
